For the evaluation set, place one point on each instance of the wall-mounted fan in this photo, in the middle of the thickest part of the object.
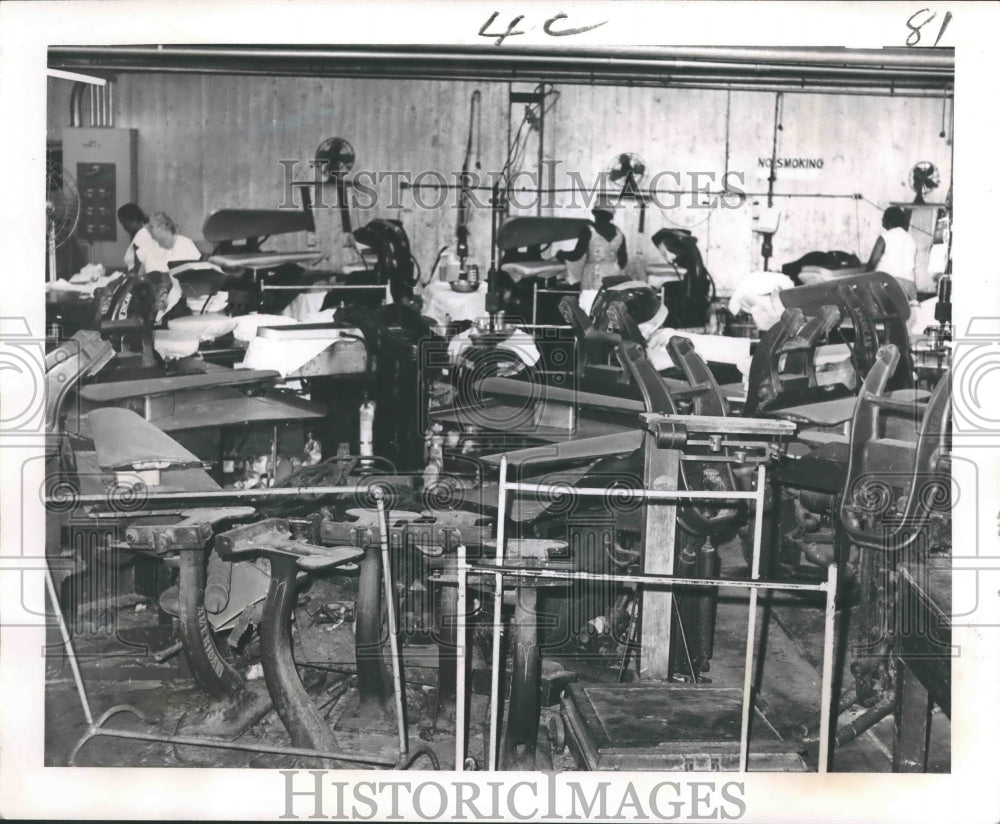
(924, 178)
(335, 156)
(62, 210)
(626, 172)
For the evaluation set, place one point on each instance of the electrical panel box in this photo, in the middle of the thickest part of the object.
(102, 160)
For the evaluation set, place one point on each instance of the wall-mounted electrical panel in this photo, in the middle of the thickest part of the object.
(103, 162)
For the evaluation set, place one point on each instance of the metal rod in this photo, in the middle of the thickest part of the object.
(169, 652)
(648, 578)
(630, 634)
(236, 745)
(646, 494)
(534, 300)
(748, 702)
(67, 641)
(319, 287)
(390, 611)
(865, 721)
(495, 697)
(748, 684)
(826, 692)
(220, 494)
(758, 527)
(460, 636)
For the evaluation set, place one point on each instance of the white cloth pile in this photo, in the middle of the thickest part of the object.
(757, 294)
(520, 343)
(85, 282)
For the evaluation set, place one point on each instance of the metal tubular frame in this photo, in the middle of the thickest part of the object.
(755, 584)
(460, 637)
(390, 611)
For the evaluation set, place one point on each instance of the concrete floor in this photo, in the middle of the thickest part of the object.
(118, 669)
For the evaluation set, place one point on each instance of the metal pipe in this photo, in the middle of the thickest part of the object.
(93, 104)
(758, 527)
(68, 643)
(865, 721)
(390, 611)
(318, 288)
(647, 578)
(877, 87)
(514, 56)
(747, 710)
(460, 637)
(75, 105)
(645, 494)
(111, 101)
(213, 495)
(826, 691)
(747, 707)
(656, 66)
(496, 700)
(187, 740)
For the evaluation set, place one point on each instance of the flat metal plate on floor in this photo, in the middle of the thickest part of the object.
(661, 726)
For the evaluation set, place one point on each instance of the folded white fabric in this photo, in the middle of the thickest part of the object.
(757, 294)
(519, 342)
(87, 288)
(586, 299)
(283, 356)
(247, 325)
(173, 343)
(204, 327)
(922, 316)
(304, 304)
(714, 348)
(88, 274)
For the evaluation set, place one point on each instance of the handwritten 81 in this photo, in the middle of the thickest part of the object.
(921, 18)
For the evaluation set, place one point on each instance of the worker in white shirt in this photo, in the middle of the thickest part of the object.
(169, 250)
(895, 252)
(133, 221)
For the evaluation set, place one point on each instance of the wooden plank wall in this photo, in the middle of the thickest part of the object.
(211, 141)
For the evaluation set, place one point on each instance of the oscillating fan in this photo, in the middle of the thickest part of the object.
(627, 169)
(62, 210)
(335, 156)
(924, 177)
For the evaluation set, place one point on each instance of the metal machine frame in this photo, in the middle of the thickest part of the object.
(666, 434)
